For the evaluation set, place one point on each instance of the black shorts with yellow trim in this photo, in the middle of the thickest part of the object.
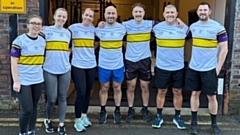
(140, 69)
(205, 81)
(165, 78)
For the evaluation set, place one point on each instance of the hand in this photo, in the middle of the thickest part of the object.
(180, 23)
(218, 71)
(101, 24)
(16, 86)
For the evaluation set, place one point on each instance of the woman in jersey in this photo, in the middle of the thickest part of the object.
(27, 56)
(57, 70)
(83, 66)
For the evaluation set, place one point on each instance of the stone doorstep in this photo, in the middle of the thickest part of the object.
(153, 110)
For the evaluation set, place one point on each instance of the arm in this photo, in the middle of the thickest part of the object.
(14, 67)
(223, 46)
(70, 47)
(180, 23)
(101, 24)
(96, 44)
(124, 45)
(70, 42)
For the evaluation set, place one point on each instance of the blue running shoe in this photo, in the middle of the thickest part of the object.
(103, 117)
(117, 119)
(85, 121)
(157, 122)
(179, 122)
(78, 125)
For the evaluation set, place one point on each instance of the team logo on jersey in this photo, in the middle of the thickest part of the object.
(180, 32)
(24, 47)
(75, 32)
(120, 33)
(210, 32)
(103, 34)
(68, 35)
(49, 35)
(160, 32)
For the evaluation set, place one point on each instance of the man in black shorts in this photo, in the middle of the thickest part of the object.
(208, 36)
(170, 64)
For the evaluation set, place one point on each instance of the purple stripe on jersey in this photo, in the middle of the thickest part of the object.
(222, 37)
(155, 23)
(189, 35)
(15, 52)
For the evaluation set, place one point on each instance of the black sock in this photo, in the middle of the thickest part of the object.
(177, 113)
(130, 108)
(144, 107)
(117, 108)
(214, 119)
(103, 108)
(159, 111)
(194, 117)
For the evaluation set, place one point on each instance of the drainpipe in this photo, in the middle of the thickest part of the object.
(44, 11)
(229, 25)
(13, 33)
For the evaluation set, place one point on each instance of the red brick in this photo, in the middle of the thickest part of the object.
(2, 57)
(31, 4)
(34, 10)
(4, 61)
(6, 66)
(3, 42)
(4, 72)
(234, 81)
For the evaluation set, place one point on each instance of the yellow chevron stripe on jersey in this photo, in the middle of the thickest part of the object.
(138, 37)
(57, 46)
(16, 46)
(171, 43)
(224, 31)
(31, 59)
(205, 43)
(83, 43)
(111, 44)
(41, 34)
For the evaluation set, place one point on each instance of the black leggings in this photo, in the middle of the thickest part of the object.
(83, 80)
(28, 98)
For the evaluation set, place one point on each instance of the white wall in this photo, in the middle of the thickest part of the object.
(184, 6)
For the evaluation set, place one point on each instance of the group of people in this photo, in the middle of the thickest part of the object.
(40, 60)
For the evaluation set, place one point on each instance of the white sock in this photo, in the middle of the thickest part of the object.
(84, 115)
(61, 124)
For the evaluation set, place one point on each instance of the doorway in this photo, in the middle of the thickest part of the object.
(154, 9)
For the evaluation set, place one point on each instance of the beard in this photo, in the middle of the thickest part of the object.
(111, 20)
(203, 19)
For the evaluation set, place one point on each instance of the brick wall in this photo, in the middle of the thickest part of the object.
(234, 102)
(5, 82)
(5, 95)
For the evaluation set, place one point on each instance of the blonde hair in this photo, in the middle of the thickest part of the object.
(33, 16)
(88, 9)
(60, 9)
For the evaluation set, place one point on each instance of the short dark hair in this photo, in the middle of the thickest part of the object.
(205, 3)
(139, 5)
